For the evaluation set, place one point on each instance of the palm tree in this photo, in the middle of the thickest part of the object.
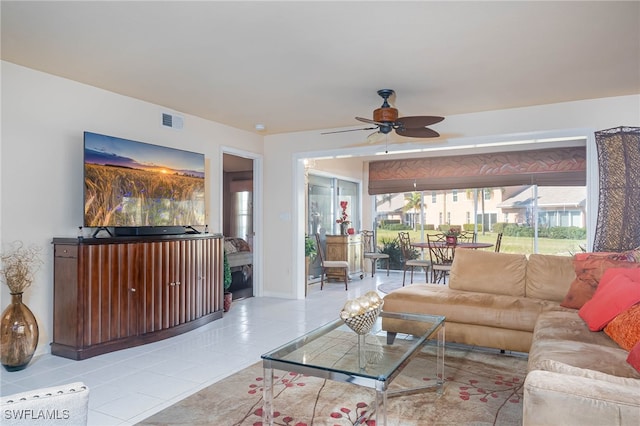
(413, 201)
(480, 193)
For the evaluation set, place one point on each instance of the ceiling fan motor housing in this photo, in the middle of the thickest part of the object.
(385, 115)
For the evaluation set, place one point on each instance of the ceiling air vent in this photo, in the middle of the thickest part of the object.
(173, 121)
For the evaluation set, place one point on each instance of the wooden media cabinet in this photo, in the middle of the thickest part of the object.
(115, 293)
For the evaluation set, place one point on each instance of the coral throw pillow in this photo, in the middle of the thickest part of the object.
(634, 357)
(619, 289)
(625, 328)
(589, 270)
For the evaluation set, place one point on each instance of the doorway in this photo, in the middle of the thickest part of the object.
(238, 222)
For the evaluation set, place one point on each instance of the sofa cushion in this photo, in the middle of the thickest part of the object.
(619, 289)
(552, 398)
(549, 277)
(560, 367)
(563, 336)
(467, 307)
(488, 272)
(625, 328)
(634, 357)
(589, 269)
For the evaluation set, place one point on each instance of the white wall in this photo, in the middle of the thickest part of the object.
(284, 207)
(43, 120)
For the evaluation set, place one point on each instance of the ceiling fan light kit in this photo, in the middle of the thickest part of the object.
(386, 119)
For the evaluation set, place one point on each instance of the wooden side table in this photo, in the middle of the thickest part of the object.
(344, 247)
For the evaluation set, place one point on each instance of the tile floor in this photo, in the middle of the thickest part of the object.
(130, 385)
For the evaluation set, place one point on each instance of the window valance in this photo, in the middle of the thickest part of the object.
(543, 167)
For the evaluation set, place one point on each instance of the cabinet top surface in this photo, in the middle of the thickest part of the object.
(136, 239)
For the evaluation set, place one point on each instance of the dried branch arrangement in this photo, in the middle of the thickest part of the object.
(19, 265)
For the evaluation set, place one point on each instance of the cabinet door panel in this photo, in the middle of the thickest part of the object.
(110, 274)
(154, 287)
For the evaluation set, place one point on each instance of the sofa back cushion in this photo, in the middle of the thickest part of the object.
(549, 277)
(488, 272)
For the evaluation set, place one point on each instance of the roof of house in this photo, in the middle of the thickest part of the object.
(548, 196)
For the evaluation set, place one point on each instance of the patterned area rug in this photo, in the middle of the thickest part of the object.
(481, 388)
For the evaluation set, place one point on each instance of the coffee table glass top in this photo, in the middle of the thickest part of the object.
(337, 349)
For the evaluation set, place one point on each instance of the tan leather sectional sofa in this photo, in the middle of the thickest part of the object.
(512, 302)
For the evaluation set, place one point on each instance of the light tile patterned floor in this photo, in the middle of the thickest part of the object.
(129, 385)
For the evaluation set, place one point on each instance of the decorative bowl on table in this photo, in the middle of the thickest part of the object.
(361, 313)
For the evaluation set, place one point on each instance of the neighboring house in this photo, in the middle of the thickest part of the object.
(556, 205)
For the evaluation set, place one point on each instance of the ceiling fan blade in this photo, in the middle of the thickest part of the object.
(420, 132)
(418, 121)
(350, 130)
(366, 120)
(374, 139)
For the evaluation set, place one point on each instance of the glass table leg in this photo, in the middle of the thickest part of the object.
(362, 356)
(440, 359)
(381, 407)
(267, 406)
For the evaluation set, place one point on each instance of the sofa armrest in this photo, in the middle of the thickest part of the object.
(65, 404)
(564, 399)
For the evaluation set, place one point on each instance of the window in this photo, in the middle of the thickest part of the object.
(454, 195)
(544, 219)
(434, 198)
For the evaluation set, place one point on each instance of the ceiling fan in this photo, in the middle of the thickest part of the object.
(386, 119)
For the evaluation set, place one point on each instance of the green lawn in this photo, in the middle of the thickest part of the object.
(509, 244)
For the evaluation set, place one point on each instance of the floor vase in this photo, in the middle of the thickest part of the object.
(20, 333)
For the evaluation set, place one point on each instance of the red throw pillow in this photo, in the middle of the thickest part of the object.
(634, 357)
(625, 328)
(589, 269)
(619, 289)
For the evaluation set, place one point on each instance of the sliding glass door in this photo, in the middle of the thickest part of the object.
(325, 195)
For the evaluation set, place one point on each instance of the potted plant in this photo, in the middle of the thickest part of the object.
(228, 297)
(310, 252)
(343, 220)
(452, 236)
(18, 325)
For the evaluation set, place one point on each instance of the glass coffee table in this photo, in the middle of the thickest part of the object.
(335, 352)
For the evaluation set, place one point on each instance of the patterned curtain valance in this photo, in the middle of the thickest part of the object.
(544, 167)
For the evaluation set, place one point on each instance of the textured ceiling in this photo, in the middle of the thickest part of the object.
(297, 66)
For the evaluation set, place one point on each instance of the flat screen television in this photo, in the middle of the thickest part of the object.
(138, 188)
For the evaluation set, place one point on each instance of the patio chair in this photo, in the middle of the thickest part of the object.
(441, 256)
(371, 252)
(467, 237)
(338, 264)
(407, 261)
